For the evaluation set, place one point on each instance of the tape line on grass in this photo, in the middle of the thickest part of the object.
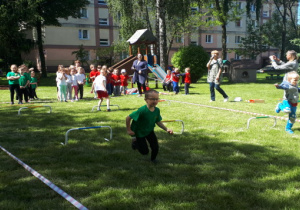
(233, 110)
(47, 182)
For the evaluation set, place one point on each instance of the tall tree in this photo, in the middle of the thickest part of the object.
(285, 10)
(46, 13)
(12, 32)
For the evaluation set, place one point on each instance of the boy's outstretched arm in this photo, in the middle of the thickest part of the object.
(129, 131)
(162, 126)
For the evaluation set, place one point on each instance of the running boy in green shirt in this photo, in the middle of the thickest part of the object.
(143, 123)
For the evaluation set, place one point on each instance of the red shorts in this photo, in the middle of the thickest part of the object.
(102, 94)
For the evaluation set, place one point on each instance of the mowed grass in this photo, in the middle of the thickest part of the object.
(217, 163)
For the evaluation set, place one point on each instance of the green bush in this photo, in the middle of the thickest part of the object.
(194, 57)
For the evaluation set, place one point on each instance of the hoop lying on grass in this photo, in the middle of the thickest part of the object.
(33, 107)
(248, 122)
(47, 182)
(182, 124)
(85, 128)
(104, 105)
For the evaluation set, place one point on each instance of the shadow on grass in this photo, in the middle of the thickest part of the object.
(195, 171)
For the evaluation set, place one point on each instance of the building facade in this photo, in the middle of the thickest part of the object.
(96, 29)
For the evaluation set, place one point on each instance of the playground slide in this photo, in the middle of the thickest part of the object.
(158, 72)
(125, 63)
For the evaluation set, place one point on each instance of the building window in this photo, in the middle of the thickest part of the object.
(265, 13)
(254, 23)
(83, 34)
(237, 57)
(252, 8)
(83, 13)
(104, 42)
(194, 10)
(179, 39)
(239, 5)
(194, 43)
(238, 23)
(103, 21)
(238, 39)
(102, 2)
(208, 39)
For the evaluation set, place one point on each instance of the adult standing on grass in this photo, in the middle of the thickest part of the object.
(214, 76)
(140, 68)
(13, 82)
(291, 65)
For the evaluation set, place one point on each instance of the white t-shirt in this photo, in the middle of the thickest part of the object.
(80, 78)
(74, 80)
(60, 79)
(100, 83)
(69, 79)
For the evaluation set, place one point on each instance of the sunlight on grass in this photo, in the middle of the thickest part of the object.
(217, 163)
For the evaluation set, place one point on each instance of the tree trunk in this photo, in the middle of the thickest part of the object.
(283, 33)
(162, 34)
(224, 46)
(157, 32)
(40, 47)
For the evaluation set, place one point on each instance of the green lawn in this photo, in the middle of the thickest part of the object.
(215, 164)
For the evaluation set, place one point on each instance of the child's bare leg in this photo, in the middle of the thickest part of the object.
(108, 103)
(99, 104)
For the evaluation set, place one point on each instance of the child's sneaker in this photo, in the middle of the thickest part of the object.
(287, 110)
(226, 99)
(277, 109)
(98, 108)
(289, 131)
(108, 110)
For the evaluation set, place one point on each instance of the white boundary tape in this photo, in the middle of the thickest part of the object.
(47, 182)
(233, 110)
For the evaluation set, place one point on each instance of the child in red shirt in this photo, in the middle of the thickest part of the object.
(124, 81)
(167, 82)
(187, 80)
(175, 78)
(117, 82)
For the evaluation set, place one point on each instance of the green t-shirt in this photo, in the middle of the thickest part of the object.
(27, 75)
(33, 80)
(11, 74)
(23, 80)
(144, 121)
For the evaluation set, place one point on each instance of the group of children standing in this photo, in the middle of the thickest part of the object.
(171, 81)
(22, 81)
(116, 83)
(69, 79)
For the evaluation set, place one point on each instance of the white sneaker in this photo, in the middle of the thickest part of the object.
(226, 99)
(211, 101)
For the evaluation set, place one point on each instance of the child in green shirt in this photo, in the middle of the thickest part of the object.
(23, 81)
(13, 82)
(33, 85)
(143, 123)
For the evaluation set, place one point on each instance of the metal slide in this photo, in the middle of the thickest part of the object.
(158, 72)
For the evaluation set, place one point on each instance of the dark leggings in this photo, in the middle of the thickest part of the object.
(12, 89)
(24, 92)
(143, 147)
(80, 88)
(140, 87)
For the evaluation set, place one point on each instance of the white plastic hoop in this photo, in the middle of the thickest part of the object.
(33, 107)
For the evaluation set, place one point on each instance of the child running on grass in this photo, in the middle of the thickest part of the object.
(99, 85)
(143, 123)
(290, 100)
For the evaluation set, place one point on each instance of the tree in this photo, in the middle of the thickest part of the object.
(12, 33)
(284, 8)
(105, 55)
(46, 13)
(194, 57)
(82, 55)
(253, 44)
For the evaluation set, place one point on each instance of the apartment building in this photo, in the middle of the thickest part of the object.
(96, 29)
